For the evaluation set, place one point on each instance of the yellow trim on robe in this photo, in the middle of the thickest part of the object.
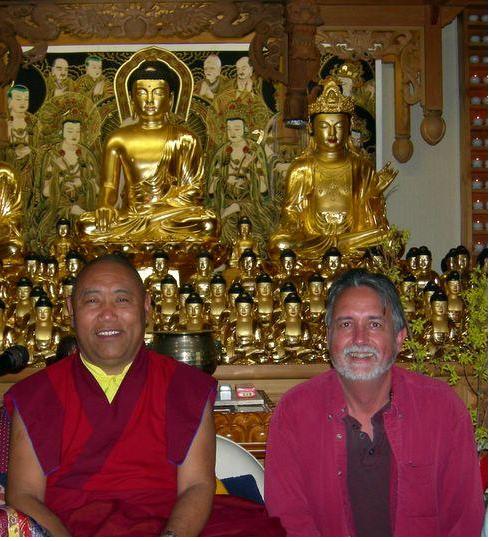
(109, 383)
(220, 488)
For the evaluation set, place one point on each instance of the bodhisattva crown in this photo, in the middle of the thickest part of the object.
(331, 99)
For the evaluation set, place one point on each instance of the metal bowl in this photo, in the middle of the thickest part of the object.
(196, 348)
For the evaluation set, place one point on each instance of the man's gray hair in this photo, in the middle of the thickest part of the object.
(384, 288)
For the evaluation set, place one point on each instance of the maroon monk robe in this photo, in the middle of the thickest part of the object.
(112, 467)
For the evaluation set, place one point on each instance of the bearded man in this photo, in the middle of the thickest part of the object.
(370, 449)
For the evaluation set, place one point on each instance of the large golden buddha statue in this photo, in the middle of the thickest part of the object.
(162, 166)
(334, 196)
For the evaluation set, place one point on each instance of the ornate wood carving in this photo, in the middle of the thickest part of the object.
(39, 24)
(404, 48)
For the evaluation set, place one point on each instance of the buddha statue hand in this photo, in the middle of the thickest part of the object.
(386, 175)
(104, 217)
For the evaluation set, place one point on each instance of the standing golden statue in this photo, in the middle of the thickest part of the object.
(333, 195)
(162, 165)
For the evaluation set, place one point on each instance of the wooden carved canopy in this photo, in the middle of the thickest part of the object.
(285, 36)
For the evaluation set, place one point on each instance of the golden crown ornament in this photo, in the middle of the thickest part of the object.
(331, 99)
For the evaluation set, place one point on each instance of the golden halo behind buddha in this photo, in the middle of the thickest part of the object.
(331, 99)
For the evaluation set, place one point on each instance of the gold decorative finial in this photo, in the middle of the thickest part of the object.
(352, 70)
(331, 99)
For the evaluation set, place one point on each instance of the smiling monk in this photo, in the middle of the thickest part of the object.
(117, 440)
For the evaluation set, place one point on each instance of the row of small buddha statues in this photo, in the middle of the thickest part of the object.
(258, 313)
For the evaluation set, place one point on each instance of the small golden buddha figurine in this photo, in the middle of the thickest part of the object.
(373, 259)
(62, 244)
(31, 266)
(424, 272)
(50, 280)
(73, 263)
(233, 292)
(62, 314)
(22, 310)
(194, 307)
(411, 264)
(265, 305)
(201, 280)
(285, 289)
(463, 265)
(36, 293)
(429, 289)
(448, 264)
(289, 271)
(440, 331)
(43, 335)
(331, 266)
(217, 304)
(409, 296)
(11, 205)
(162, 165)
(333, 195)
(242, 338)
(168, 305)
(248, 271)
(292, 334)
(152, 324)
(315, 299)
(244, 241)
(183, 293)
(456, 308)
(161, 266)
(7, 334)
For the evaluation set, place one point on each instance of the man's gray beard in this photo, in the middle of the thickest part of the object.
(344, 370)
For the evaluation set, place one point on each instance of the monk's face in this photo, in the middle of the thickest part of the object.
(109, 310)
(151, 98)
(331, 130)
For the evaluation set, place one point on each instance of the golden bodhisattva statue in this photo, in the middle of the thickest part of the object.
(194, 306)
(62, 244)
(429, 289)
(201, 280)
(248, 271)
(7, 335)
(411, 263)
(162, 165)
(334, 196)
(331, 266)
(289, 271)
(449, 264)
(243, 241)
(183, 293)
(463, 265)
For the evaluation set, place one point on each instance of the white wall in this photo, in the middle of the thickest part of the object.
(426, 195)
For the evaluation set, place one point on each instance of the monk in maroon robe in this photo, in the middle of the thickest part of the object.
(139, 465)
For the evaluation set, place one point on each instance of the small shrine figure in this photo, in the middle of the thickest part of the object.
(50, 280)
(242, 338)
(411, 264)
(449, 263)
(315, 299)
(62, 244)
(409, 296)
(62, 314)
(43, 335)
(429, 289)
(74, 263)
(201, 280)
(248, 271)
(331, 266)
(161, 266)
(373, 259)
(440, 331)
(265, 305)
(243, 241)
(234, 290)
(7, 334)
(424, 272)
(22, 309)
(31, 267)
(292, 335)
(288, 271)
(183, 292)
(36, 293)
(167, 307)
(456, 308)
(463, 265)
(194, 306)
(285, 289)
(217, 304)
